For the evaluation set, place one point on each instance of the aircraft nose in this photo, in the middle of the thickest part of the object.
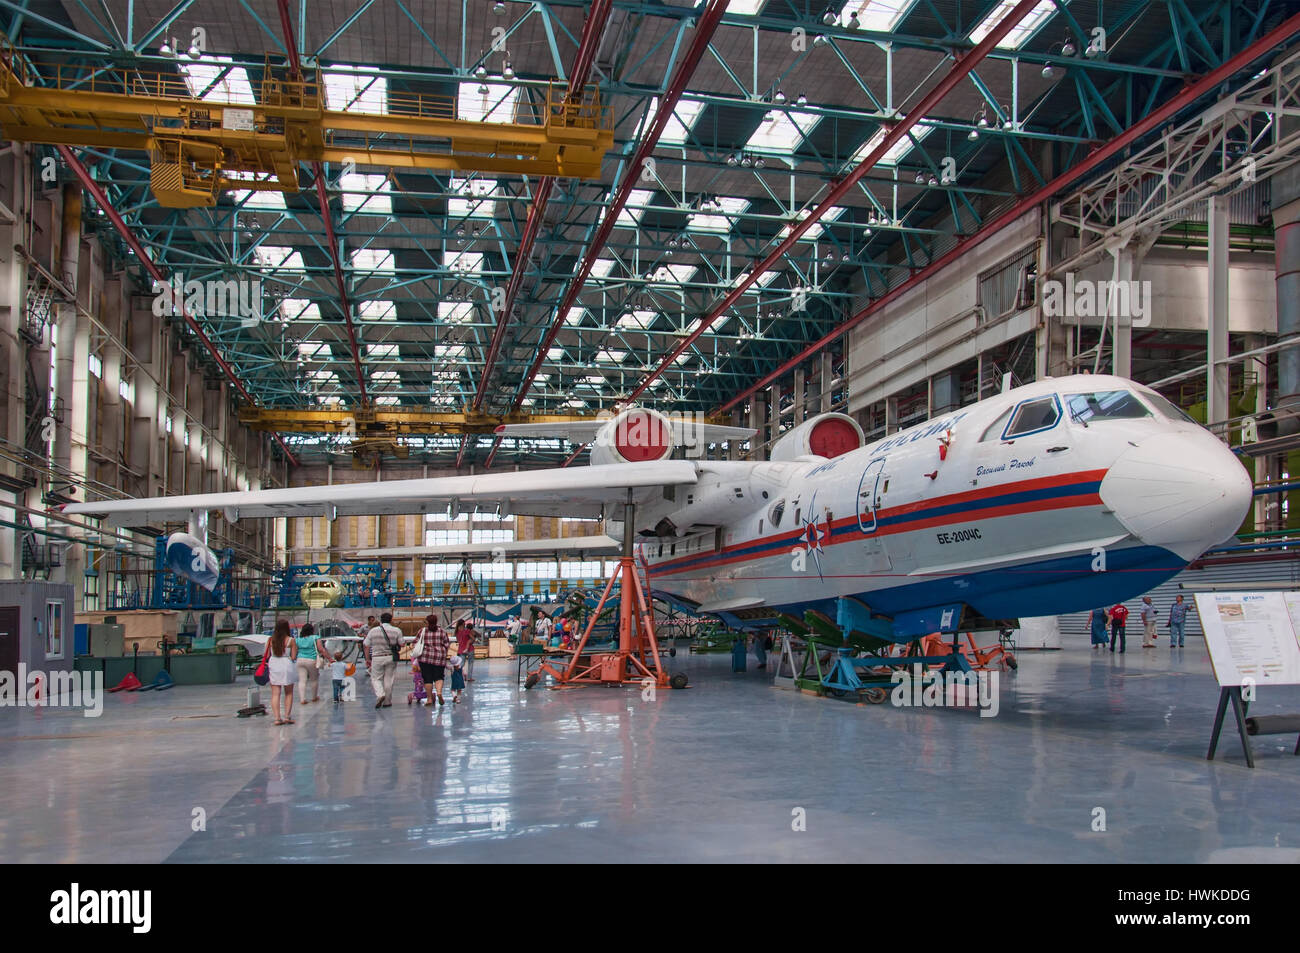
(1183, 492)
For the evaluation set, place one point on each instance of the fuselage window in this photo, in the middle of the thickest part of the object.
(778, 510)
(1033, 416)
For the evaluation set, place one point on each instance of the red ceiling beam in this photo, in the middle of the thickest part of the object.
(318, 171)
(592, 32)
(961, 68)
(1189, 94)
(704, 30)
(155, 271)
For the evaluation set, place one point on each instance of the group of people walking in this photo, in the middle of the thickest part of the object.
(291, 661)
(1116, 620)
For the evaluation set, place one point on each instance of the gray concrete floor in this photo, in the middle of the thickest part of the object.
(716, 772)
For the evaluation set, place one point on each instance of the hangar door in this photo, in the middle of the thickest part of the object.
(9, 639)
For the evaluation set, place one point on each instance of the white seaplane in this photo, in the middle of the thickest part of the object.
(1054, 497)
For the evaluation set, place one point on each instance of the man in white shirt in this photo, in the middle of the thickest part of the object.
(544, 628)
(381, 645)
(512, 628)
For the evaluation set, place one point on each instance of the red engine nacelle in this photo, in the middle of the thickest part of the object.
(826, 435)
(637, 435)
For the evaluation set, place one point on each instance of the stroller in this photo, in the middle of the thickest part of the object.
(419, 694)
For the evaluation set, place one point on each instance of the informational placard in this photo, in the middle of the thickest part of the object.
(1252, 636)
(239, 120)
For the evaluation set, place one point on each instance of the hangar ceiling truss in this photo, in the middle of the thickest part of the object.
(785, 101)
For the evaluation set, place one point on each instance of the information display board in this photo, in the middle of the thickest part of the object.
(1252, 636)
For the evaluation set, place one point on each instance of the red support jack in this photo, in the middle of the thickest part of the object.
(637, 656)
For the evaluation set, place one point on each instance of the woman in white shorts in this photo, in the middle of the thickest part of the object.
(281, 664)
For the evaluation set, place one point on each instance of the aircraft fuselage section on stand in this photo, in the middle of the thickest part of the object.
(1056, 497)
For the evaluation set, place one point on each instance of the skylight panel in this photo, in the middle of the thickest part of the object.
(717, 221)
(780, 131)
(444, 351)
(611, 356)
(356, 93)
(745, 7)
(816, 228)
(601, 267)
(678, 128)
(1019, 33)
(639, 320)
(377, 311)
(575, 316)
(232, 87)
(554, 353)
(497, 104)
(478, 198)
(879, 15)
(368, 193)
(278, 256)
(299, 309)
(388, 399)
(381, 352)
(894, 154)
(676, 274)
(271, 199)
(373, 260)
(385, 377)
(634, 209)
(313, 350)
(455, 312)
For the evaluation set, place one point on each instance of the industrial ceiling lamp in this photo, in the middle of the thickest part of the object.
(481, 71)
(1048, 71)
(829, 16)
(194, 52)
(820, 40)
(498, 8)
(779, 98)
(508, 71)
(801, 100)
(854, 22)
(759, 162)
(920, 178)
(733, 160)
(1068, 48)
(483, 89)
(166, 49)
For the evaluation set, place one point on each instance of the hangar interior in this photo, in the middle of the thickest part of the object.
(273, 245)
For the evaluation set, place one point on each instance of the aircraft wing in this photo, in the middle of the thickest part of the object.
(559, 491)
(584, 544)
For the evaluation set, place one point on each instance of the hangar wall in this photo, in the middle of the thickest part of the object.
(964, 313)
(96, 389)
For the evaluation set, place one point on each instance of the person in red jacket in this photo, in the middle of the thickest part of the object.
(465, 648)
(1118, 616)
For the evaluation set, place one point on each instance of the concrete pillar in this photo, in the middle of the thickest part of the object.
(1217, 408)
(825, 376)
(1121, 324)
(891, 415)
(799, 396)
(758, 422)
(945, 392)
(773, 417)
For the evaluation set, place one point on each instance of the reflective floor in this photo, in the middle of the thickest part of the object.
(728, 769)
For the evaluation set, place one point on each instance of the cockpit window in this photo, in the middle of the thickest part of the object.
(1105, 405)
(1167, 407)
(995, 429)
(1033, 416)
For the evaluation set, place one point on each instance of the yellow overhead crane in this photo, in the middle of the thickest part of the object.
(392, 422)
(199, 149)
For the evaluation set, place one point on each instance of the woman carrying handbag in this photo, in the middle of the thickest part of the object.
(281, 658)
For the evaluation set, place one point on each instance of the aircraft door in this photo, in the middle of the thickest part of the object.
(869, 495)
